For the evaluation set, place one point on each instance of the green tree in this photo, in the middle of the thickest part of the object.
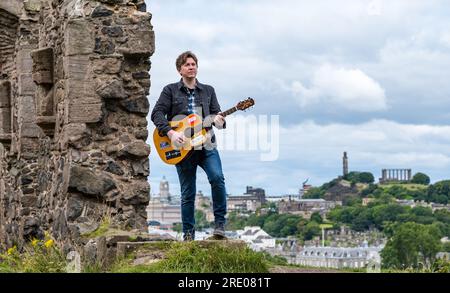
(439, 192)
(177, 227)
(316, 217)
(360, 177)
(310, 230)
(363, 221)
(351, 201)
(446, 247)
(421, 178)
(369, 190)
(235, 222)
(314, 193)
(200, 221)
(386, 213)
(410, 245)
(422, 215)
(443, 216)
(366, 177)
(352, 176)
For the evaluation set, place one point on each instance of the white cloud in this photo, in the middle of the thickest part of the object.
(350, 89)
(445, 39)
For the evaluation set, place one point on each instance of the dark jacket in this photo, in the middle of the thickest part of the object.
(173, 101)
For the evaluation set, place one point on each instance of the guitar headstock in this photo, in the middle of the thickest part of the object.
(243, 105)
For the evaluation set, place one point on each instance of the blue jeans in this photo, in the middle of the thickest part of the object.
(208, 160)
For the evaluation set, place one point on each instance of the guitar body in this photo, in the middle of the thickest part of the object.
(196, 135)
(192, 127)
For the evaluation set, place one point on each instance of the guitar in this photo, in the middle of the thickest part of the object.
(195, 133)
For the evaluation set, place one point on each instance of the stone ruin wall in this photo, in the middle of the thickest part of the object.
(73, 104)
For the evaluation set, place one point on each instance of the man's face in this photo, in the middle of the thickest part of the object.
(189, 68)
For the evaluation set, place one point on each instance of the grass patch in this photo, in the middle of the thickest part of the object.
(408, 186)
(275, 260)
(190, 257)
(101, 230)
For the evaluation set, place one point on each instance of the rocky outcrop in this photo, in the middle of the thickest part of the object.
(73, 104)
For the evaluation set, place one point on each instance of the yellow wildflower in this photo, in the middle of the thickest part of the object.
(49, 243)
(34, 242)
(12, 250)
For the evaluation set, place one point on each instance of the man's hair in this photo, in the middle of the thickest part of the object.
(183, 57)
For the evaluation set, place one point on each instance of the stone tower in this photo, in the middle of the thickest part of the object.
(164, 191)
(345, 164)
(74, 80)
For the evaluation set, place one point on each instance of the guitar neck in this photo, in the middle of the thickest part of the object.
(229, 111)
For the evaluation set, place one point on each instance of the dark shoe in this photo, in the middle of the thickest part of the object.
(219, 231)
(188, 237)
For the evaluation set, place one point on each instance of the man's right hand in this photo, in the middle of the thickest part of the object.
(177, 139)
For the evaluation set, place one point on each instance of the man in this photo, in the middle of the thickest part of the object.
(184, 98)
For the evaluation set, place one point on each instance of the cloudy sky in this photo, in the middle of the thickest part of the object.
(364, 76)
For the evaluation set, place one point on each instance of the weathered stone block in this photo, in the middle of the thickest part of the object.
(29, 201)
(141, 75)
(76, 67)
(137, 193)
(111, 1)
(140, 168)
(24, 61)
(85, 113)
(26, 109)
(88, 182)
(81, 92)
(74, 208)
(5, 120)
(75, 130)
(5, 94)
(112, 31)
(104, 46)
(43, 77)
(32, 5)
(112, 89)
(30, 130)
(13, 7)
(77, 135)
(78, 38)
(44, 102)
(32, 228)
(109, 65)
(137, 148)
(141, 43)
(42, 59)
(114, 168)
(139, 105)
(101, 11)
(26, 84)
(79, 85)
(43, 66)
(47, 124)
